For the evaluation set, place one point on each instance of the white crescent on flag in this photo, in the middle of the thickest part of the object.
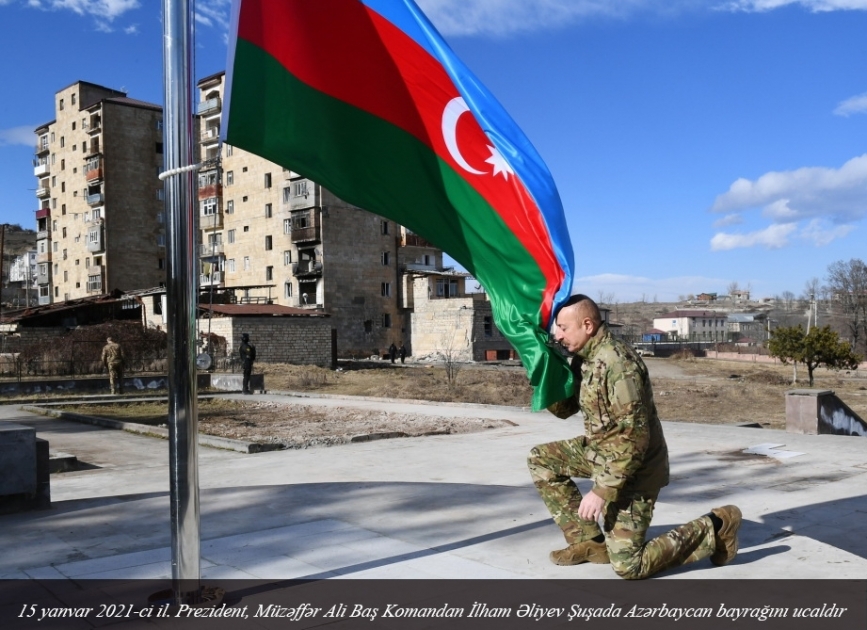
(456, 108)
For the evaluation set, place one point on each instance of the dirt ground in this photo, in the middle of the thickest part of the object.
(686, 390)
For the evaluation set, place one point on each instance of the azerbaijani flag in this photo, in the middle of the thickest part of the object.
(365, 98)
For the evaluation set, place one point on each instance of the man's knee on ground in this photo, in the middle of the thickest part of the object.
(629, 570)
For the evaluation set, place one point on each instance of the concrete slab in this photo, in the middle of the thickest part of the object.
(436, 506)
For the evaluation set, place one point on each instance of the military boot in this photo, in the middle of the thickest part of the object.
(727, 536)
(579, 553)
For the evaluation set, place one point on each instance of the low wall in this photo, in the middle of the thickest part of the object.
(81, 386)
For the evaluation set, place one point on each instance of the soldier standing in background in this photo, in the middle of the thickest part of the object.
(623, 451)
(113, 360)
(248, 354)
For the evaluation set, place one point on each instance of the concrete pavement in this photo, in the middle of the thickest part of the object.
(453, 506)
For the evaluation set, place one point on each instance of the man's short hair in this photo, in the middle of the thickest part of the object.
(586, 307)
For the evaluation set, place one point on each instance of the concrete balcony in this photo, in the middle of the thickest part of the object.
(96, 199)
(210, 249)
(306, 235)
(210, 135)
(43, 257)
(41, 168)
(209, 107)
(210, 191)
(42, 148)
(44, 299)
(43, 191)
(94, 126)
(212, 279)
(211, 221)
(93, 171)
(95, 239)
(307, 269)
(43, 278)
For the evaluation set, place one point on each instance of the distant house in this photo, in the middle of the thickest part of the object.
(740, 295)
(742, 325)
(654, 335)
(693, 325)
(706, 297)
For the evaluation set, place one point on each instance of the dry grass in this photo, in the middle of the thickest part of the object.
(685, 390)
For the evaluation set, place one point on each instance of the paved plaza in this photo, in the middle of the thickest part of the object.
(446, 506)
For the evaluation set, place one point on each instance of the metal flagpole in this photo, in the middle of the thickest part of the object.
(180, 186)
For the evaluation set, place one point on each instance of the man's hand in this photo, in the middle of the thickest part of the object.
(591, 506)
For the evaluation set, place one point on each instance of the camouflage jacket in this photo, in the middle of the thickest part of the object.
(625, 444)
(112, 354)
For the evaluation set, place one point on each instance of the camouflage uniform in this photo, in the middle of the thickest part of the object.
(623, 451)
(112, 358)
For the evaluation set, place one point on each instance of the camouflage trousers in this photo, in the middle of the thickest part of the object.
(115, 377)
(626, 520)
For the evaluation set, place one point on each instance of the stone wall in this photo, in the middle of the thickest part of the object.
(298, 340)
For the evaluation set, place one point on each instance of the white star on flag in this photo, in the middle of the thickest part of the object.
(499, 163)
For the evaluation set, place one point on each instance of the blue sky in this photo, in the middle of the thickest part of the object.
(694, 142)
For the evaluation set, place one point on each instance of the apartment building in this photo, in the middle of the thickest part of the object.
(100, 216)
(274, 235)
(693, 325)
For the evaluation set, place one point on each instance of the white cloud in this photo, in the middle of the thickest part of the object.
(815, 6)
(821, 233)
(213, 13)
(104, 9)
(839, 195)
(131, 30)
(854, 105)
(772, 237)
(627, 288)
(729, 219)
(18, 136)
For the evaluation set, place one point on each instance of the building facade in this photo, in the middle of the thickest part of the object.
(101, 208)
(693, 325)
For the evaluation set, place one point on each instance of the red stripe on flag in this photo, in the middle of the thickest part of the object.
(353, 54)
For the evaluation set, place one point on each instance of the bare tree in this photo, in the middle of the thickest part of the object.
(732, 288)
(606, 298)
(788, 300)
(847, 288)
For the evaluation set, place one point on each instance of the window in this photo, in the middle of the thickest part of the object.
(246, 263)
(66, 276)
(73, 102)
(209, 206)
(267, 180)
(97, 214)
(385, 258)
(63, 210)
(159, 147)
(386, 320)
(55, 247)
(74, 147)
(161, 194)
(62, 164)
(268, 211)
(161, 263)
(229, 150)
(60, 105)
(287, 226)
(161, 240)
(56, 269)
(161, 217)
(269, 273)
(230, 206)
(62, 140)
(64, 232)
(87, 262)
(230, 178)
(386, 289)
(77, 261)
(287, 290)
(384, 227)
(159, 124)
(299, 188)
(65, 256)
(73, 122)
(244, 170)
(287, 194)
(56, 291)
(489, 327)
(94, 283)
(230, 265)
(287, 257)
(268, 243)
(244, 199)
(231, 236)
(246, 228)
